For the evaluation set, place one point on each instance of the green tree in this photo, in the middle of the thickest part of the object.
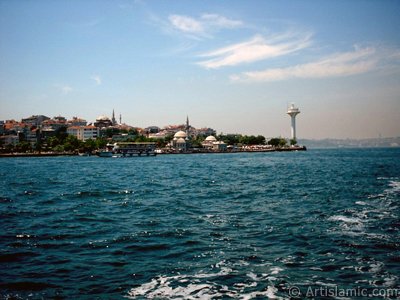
(230, 139)
(53, 142)
(110, 131)
(260, 139)
(133, 131)
(281, 142)
(72, 143)
(293, 142)
(58, 148)
(100, 143)
(61, 134)
(23, 147)
(9, 148)
(89, 145)
(197, 142)
(141, 139)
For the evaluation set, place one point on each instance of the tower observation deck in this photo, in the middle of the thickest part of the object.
(293, 112)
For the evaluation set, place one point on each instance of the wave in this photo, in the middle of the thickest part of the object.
(203, 285)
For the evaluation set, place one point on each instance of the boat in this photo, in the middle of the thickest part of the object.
(129, 149)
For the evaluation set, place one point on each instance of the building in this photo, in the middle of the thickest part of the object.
(205, 132)
(208, 142)
(211, 143)
(76, 122)
(102, 122)
(55, 123)
(180, 141)
(152, 129)
(35, 120)
(84, 133)
(10, 139)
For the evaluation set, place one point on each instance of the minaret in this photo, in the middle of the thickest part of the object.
(187, 126)
(293, 112)
(114, 122)
(120, 119)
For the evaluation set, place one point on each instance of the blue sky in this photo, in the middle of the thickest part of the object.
(230, 65)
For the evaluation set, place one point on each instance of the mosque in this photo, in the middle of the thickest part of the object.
(181, 141)
(104, 121)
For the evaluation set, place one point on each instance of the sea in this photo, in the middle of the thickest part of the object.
(322, 223)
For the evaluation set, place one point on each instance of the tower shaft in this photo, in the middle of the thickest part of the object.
(293, 127)
(293, 112)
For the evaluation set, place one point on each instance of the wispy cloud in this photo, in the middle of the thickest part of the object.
(219, 21)
(97, 79)
(64, 88)
(257, 48)
(361, 60)
(203, 26)
(186, 24)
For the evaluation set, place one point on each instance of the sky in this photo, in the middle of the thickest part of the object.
(234, 66)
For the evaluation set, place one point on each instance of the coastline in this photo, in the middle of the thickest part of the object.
(44, 154)
(51, 154)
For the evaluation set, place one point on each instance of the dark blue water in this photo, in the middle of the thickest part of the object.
(251, 225)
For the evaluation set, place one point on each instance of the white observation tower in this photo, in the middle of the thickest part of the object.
(293, 112)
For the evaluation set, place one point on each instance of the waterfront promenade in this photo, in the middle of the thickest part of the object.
(164, 152)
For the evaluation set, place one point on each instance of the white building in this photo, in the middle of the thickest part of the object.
(211, 143)
(84, 133)
(180, 141)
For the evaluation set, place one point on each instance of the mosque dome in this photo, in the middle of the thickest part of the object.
(180, 141)
(180, 134)
(211, 138)
(102, 118)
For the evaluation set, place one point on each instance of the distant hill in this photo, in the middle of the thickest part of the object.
(351, 143)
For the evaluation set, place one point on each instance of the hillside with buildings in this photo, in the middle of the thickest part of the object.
(40, 133)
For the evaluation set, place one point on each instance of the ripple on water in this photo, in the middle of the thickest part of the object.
(236, 226)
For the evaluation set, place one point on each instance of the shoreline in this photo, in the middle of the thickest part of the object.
(49, 154)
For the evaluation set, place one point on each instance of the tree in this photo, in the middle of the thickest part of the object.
(293, 142)
(53, 141)
(230, 139)
(281, 142)
(61, 134)
(100, 143)
(89, 145)
(58, 148)
(72, 143)
(110, 131)
(141, 139)
(23, 147)
(260, 140)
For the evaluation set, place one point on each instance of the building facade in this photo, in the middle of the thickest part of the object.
(84, 133)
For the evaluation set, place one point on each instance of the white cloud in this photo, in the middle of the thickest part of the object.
(203, 26)
(361, 60)
(220, 21)
(258, 48)
(186, 24)
(97, 79)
